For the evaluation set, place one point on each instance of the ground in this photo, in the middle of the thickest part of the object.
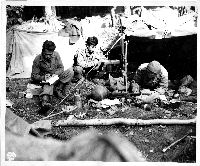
(150, 140)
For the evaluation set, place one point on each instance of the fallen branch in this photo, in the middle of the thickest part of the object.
(177, 141)
(114, 121)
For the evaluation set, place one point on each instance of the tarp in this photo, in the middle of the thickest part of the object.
(24, 46)
(177, 54)
(16, 124)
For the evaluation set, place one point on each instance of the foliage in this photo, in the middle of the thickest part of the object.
(14, 15)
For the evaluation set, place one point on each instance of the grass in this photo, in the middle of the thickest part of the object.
(150, 140)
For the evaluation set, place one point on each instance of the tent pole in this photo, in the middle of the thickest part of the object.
(124, 54)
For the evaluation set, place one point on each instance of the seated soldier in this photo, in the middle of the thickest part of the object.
(87, 60)
(46, 65)
(152, 76)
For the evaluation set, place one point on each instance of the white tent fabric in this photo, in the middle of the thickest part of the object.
(164, 22)
(24, 46)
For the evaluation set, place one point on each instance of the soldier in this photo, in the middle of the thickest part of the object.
(87, 58)
(151, 76)
(46, 65)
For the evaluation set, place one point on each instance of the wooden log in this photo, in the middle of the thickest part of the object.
(123, 121)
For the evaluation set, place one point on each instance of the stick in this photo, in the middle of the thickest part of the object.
(89, 71)
(177, 141)
(65, 97)
(114, 121)
(57, 114)
(61, 102)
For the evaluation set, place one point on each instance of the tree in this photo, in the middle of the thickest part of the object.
(14, 15)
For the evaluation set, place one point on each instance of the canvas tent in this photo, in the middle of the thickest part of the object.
(177, 54)
(25, 45)
(162, 35)
(158, 34)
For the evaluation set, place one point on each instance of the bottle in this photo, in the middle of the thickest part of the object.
(77, 99)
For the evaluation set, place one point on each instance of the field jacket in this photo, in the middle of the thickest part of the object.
(142, 79)
(41, 67)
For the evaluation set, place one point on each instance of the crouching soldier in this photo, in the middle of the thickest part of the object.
(46, 65)
(152, 76)
(88, 59)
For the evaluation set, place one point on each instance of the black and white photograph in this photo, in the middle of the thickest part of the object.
(101, 83)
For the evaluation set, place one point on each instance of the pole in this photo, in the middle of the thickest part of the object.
(125, 63)
(124, 54)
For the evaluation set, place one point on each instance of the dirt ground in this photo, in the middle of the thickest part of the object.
(150, 140)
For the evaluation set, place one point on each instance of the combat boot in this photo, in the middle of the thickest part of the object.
(45, 104)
